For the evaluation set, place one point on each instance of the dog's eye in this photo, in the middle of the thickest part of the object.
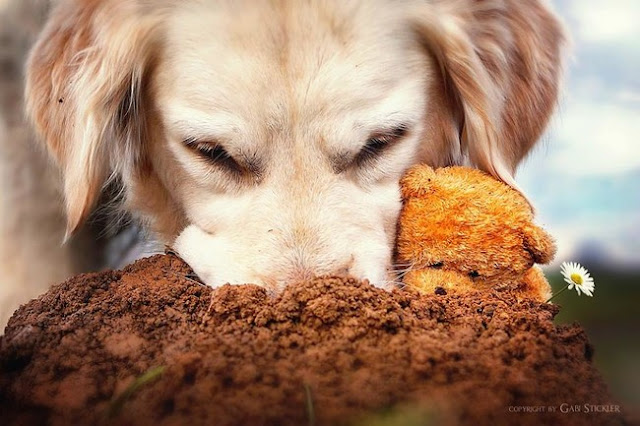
(379, 143)
(215, 154)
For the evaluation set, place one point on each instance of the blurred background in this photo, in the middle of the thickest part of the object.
(584, 178)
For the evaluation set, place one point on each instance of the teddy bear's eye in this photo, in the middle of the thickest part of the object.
(474, 274)
(437, 265)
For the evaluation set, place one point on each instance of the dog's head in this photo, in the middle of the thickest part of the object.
(265, 139)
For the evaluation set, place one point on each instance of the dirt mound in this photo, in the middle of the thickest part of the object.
(328, 351)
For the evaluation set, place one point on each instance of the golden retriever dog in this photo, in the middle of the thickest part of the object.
(264, 139)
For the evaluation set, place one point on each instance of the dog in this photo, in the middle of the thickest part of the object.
(264, 140)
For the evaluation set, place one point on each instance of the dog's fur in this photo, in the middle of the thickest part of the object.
(140, 92)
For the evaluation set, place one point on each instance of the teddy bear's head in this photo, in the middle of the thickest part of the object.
(463, 223)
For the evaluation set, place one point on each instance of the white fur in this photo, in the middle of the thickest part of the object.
(302, 218)
(291, 89)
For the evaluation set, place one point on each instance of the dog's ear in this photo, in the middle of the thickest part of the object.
(501, 62)
(84, 92)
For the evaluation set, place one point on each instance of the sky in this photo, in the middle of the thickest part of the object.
(584, 176)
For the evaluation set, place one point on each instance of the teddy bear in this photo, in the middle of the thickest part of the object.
(461, 230)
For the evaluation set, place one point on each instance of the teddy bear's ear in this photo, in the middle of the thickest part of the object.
(417, 181)
(540, 244)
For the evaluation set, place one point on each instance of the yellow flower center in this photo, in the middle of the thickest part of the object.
(576, 278)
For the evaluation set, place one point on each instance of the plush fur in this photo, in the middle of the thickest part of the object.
(462, 230)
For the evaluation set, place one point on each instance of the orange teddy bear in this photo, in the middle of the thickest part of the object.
(461, 230)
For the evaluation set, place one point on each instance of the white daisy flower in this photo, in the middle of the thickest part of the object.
(577, 276)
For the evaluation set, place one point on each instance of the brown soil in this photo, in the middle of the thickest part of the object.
(328, 351)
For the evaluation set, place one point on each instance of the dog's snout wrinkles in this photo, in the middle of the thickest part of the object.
(311, 254)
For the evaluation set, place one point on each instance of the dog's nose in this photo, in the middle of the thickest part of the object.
(345, 269)
(305, 272)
